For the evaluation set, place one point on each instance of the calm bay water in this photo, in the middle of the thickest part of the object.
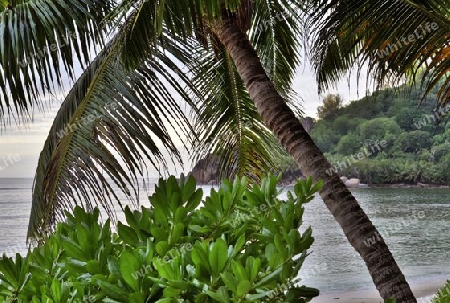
(414, 222)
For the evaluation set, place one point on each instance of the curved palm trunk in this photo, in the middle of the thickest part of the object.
(357, 227)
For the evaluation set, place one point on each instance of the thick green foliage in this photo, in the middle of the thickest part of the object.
(238, 245)
(443, 294)
(379, 128)
(416, 139)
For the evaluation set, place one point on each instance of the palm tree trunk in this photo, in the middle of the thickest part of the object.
(357, 227)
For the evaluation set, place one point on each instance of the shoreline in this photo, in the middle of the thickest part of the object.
(363, 186)
(424, 291)
(403, 185)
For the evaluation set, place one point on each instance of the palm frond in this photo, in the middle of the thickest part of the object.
(40, 40)
(185, 19)
(229, 124)
(275, 33)
(230, 127)
(73, 166)
(112, 122)
(394, 38)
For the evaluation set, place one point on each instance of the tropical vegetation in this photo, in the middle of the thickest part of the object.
(231, 61)
(416, 139)
(443, 294)
(202, 51)
(181, 249)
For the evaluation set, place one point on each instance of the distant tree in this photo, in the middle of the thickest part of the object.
(379, 128)
(347, 123)
(413, 142)
(440, 151)
(349, 144)
(325, 136)
(442, 138)
(406, 117)
(331, 104)
(445, 165)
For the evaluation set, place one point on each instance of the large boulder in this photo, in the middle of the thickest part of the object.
(352, 183)
(206, 171)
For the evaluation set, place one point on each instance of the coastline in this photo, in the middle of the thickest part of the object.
(403, 185)
(360, 186)
(424, 292)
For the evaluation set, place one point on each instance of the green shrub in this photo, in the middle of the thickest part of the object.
(239, 245)
(443, 294)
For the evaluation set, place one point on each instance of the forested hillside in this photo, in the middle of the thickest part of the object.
(387, 137)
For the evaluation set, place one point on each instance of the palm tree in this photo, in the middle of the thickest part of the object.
(398, 40)
(132, 73)
(281, 120)
(393, 38)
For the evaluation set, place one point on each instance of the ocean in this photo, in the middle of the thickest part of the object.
(414, 222)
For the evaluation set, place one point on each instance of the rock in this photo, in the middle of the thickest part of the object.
(206, 170)
(307, 123)
(352, 183)
(362, 185)
(344, 179)
(290, 176)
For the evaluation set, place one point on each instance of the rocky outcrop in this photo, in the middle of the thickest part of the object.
(352, 183)
(206, 171)
(290, 176)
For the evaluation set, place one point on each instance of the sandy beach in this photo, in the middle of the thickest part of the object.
(423, 291)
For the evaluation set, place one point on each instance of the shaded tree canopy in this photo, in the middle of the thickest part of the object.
(330, 108)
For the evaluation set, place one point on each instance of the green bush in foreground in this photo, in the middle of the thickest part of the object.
(443, 294)
(241, 245)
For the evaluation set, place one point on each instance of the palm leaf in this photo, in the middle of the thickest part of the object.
(112, 122)
(71, 166)
(181, 18)
(275, 33)
(40, 40)
(353, 33)
(230, 126)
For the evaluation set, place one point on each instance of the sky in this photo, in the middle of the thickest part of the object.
(20, 145)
